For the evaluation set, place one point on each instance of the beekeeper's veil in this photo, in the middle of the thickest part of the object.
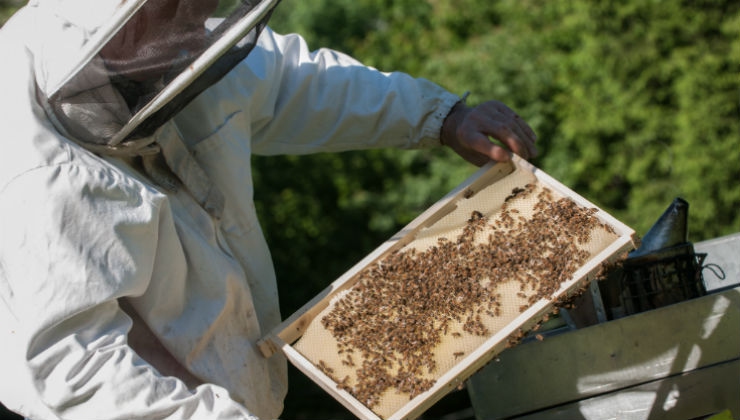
(119, 69)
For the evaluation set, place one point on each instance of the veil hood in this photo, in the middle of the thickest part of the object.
(109, 73)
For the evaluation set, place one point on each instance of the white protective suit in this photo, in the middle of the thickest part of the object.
(123, 300)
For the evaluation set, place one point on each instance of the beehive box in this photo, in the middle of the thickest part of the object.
(459, 284)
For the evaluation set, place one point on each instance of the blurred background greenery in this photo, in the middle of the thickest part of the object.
(634, 102)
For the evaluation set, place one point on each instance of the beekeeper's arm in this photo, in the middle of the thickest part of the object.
(303, 101)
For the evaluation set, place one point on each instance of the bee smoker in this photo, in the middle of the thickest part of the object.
(664, 269)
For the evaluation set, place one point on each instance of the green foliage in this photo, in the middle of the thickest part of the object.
(7, 8)
(648, 110)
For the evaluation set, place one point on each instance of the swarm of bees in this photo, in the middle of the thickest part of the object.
(400, 308)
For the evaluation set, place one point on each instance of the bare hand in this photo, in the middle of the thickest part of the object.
(467, 130)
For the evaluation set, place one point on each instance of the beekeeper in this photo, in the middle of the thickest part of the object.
(135, 279)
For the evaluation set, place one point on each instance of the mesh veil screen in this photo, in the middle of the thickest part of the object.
(158, 43)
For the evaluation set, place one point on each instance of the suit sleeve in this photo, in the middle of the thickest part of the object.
(296, 101)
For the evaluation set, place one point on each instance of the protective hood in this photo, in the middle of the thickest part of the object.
(113, 71)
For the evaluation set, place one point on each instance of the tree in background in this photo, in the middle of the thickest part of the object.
(7, 8)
